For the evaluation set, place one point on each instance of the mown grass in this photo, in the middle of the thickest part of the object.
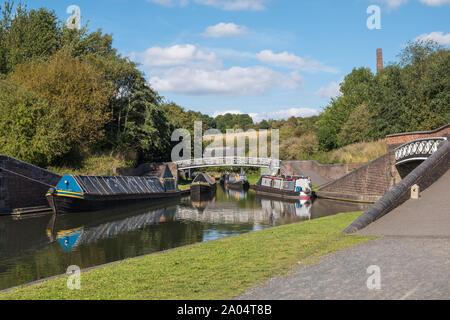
(220, 269)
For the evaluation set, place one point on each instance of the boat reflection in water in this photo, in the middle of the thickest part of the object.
(101, 228)
(36, 247)
(286, 209)
(236, 194)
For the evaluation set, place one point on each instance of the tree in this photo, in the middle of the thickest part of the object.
(27, 35)
(77, 92)
(146, 127)
(356, 90)
(30, 129)
(357, 127)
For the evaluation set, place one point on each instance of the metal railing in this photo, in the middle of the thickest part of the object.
(416, 150)
(229, 161)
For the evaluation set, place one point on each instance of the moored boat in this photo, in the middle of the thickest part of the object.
(203, 184)
(92, 193)
(235, 181)
(290, 187)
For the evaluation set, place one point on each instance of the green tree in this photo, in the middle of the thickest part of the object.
(146, 128)
(75, 89)
(27, 35)
(357, 128)
(355, 90)
(30, 128)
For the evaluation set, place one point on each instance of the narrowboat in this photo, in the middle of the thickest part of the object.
(235, 181)
(93, 193)
(203, 185)
(289, 187)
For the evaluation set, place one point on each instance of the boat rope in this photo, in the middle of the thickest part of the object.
(20, 175)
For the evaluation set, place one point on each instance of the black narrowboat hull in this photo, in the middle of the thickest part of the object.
(238, 185)
(61, 204)
(199, 189)
(286, 194)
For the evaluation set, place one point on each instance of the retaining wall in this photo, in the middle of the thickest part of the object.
(330, 171)
(424, 176)
(367, 183)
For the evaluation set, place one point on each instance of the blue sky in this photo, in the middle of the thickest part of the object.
(268, 58)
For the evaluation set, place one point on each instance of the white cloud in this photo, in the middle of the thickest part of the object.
(393, 4)
(437, 36)
(224, 30)
(330, 91)
(286, 59)
(435, 2)
(170, 3)
(236, 81)
(284, 114)
(232, 5)
(229, 5)
(177, 55)
(221, 113)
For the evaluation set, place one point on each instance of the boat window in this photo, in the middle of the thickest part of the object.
(288, 185)
(266, 182)
(277, 184)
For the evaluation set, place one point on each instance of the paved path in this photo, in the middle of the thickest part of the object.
(413, 256)
(428, 216)
(416, 268)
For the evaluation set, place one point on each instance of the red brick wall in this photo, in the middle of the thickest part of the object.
(395, 140)
(374, 178)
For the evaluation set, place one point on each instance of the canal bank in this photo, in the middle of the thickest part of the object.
(220, 269)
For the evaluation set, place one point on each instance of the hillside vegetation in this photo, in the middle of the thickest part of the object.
(67, 96)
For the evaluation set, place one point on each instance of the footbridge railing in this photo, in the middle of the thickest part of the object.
(229, 161)
(417, 150)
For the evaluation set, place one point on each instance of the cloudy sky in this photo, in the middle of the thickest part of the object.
(268, 58)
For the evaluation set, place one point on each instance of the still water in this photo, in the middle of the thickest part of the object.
(36, 247)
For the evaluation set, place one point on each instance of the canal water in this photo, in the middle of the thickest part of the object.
(37, 247)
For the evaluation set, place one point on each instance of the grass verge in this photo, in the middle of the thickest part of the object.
(220, 269)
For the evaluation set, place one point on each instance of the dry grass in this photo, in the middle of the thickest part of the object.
(98, 165)
(355, 153)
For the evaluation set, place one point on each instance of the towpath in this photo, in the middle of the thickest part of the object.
(413, 258)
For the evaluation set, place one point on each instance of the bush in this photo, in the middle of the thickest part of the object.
(76, 92)
(30, 129)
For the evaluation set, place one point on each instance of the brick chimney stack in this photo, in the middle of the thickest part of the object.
(379, 60)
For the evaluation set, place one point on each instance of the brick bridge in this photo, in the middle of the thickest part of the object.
(369, 182)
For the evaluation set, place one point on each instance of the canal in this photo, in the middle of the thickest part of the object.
(37, 247)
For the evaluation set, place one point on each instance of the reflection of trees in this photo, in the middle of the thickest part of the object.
(100, 243)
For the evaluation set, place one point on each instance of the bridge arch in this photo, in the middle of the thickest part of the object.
(417, 150)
